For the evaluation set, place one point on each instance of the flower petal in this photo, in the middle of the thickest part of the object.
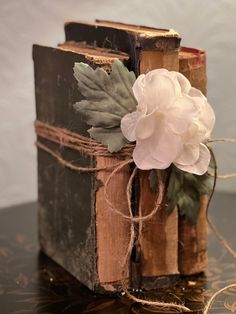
(159, 91)
(144, 160)
(147, 125)
(189, 155)
(207, 118)
(194, 92)
(129, 123)
(201, 165)
(165, 145)
(183, 82)
(171, 122)
(138, 88)
(181, 114)
(193, 135)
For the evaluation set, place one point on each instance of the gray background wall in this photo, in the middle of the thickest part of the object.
(204, 24)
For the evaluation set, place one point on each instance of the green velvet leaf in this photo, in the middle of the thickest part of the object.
(112, 138)
(184, 191)
(188, 206)
(123, 80)
(96, 116)
(152, 177)
(107, 99)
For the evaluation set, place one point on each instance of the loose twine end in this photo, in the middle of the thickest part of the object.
(208, 306)
(139, 219)
(223, 140)
(178, 307)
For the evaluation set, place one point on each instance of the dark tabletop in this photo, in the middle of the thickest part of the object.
(31, 283)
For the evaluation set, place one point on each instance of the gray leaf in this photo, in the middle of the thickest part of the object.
(113, 93)
(94, 115)
(123, 81)
(113, 138)
(107, 99)
(184, 190)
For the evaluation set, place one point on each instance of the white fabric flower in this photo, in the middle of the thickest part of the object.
(171, 123)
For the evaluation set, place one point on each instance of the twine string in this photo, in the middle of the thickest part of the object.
(161, 305)
(132, 227)
(77, 142)
(212, 226)
(218, 235)
(157, 206)
(71, 165)
(128, 194)
(90, 147)
(215, 295)
(223, 140)
(87, 146)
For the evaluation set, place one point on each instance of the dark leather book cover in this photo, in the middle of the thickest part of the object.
(66, 211)
(73, 220)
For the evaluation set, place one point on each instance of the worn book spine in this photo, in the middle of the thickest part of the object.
(192, 64)
(190, 254)
(112, 231)
(76, 228)
(159, 235)
(193, 242)
(193, 238)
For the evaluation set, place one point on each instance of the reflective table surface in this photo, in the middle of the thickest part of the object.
(31, 283)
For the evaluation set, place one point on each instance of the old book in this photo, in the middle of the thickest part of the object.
(138, 41)
(159, 235)
(149, 49)
(192, 64)
(107, 267)
(76, 228)
(193, 238)
(94, 239)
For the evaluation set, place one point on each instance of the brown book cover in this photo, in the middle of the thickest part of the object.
(192, 64)
(74, 223)
(193, 238)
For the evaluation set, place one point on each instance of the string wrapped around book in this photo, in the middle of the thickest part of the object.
(71, 140)
(87, 146)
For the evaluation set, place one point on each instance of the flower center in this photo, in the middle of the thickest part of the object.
(159, 116)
